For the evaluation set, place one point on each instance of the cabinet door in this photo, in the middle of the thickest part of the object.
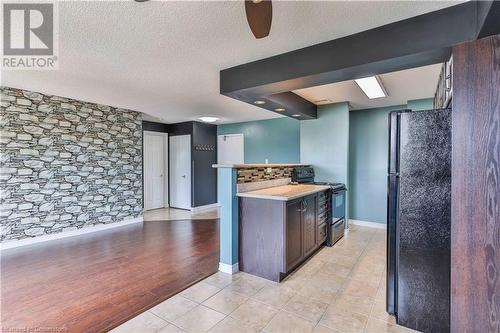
(293, 233)
(309, 225)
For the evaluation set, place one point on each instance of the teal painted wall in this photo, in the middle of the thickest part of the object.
(368, 157)
(228, 221)
(368, 154)
(278, 140)
(421, 104)
(324, 143)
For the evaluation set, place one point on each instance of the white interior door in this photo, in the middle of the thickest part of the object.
(230, 149)
(155, 180)
(180, 171)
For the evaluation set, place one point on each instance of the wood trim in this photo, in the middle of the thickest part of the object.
(475, 208)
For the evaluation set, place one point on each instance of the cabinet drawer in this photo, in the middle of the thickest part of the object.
(323, 216)
(323, 207)
(322, 232)
(323, 196)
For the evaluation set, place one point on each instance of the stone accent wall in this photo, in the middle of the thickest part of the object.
(261, 174)
(66, 164)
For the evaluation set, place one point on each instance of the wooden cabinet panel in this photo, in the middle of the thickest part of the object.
(324, 216)
(277, 236)
(309, 225)
(261, 244)
(321, 233)
(475, 190)
(293, 233)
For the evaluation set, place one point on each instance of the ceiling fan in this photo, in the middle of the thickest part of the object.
(259, 16)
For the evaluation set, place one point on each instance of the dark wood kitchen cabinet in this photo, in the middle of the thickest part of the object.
(309, 223)
(324, 215)
(277, 236)
(293, 227)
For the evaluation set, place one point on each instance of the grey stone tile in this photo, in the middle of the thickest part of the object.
(173, 307)
(200, 292)
(287, 322)
(146, 322)
(199, 319)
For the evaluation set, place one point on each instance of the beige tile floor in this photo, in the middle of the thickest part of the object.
(165, 214)
(340, 289)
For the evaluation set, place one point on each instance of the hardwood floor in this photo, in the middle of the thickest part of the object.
(94, 282)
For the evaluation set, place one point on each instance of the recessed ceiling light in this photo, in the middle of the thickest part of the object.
(256, 1)
(371, 86)
(322, 101)
(209, 119)
(279, 109)
(296, 115)
(259, 102)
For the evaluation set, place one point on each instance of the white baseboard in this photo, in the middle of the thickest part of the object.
(229, 269)
(368, 224)
(85, 230)
(206, 207)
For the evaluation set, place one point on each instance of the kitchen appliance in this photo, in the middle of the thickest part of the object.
(337, 222)
(303, 174)
(418, 219)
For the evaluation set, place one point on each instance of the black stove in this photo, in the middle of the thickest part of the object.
(337, 221)
(305, 175)
(333, 186)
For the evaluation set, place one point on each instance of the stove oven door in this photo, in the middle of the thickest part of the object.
(338, 205)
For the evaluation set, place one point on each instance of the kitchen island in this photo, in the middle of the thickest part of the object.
(280, 227)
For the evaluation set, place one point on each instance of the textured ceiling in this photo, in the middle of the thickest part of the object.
(163, 58)
(401, 86)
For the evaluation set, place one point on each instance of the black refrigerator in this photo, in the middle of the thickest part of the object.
(418, 219)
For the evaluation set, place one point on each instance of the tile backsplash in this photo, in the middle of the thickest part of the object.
(261, 174)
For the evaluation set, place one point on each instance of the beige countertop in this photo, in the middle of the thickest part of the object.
(246, 166)
(285, 192)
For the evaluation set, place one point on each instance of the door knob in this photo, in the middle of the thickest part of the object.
(184, 176)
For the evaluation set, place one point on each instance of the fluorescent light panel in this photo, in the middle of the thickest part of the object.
(371, 86)
(209, 119)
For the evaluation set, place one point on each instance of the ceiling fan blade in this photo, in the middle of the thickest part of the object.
(259, 17)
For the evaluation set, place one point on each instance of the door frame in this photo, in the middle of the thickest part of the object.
(234, 134)
(191, 166)
(166, 151)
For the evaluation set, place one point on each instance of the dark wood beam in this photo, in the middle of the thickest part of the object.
(488, 14)
(418, 41)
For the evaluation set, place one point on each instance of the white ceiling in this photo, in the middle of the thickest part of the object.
(163, 58)
(401, 86)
